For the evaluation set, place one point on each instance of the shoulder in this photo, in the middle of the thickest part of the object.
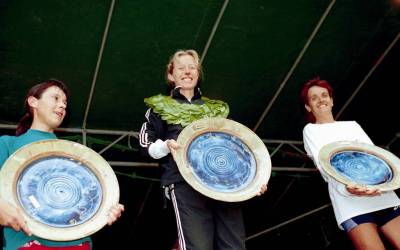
(332, 125)
(7, 139)
(156, 99)
(309, 127)
(158, 103)
(6, 145)
(218, 106)
(355, 124)
(152, 116)
(349, 124)
(214, 101)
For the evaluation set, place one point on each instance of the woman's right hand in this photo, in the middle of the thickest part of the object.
(172, 144)
(10, 216)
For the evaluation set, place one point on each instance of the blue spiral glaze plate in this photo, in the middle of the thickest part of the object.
(361, 163)
(223, 159)
(59, 191)
(361, 167)
(63, 189)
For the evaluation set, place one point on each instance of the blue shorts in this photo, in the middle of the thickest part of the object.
(380, 218)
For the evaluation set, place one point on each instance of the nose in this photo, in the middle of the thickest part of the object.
(320, 99)
(62, 105)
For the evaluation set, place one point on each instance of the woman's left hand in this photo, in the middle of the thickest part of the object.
(262, 190)
(114, 213)
(357, 189)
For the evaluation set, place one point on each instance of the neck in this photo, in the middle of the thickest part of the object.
(188, 93)
(41, 127)
(324, 118)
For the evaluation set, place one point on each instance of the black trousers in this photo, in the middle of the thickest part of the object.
(204, 223)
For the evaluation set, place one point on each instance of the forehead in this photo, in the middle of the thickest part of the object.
(185, 59)
(54, 90)
(315, 90)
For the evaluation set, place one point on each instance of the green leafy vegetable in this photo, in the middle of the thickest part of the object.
(174, 112)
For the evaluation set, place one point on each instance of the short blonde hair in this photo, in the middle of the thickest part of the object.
(179, 53)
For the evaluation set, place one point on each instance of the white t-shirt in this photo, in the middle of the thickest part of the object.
(345, 205)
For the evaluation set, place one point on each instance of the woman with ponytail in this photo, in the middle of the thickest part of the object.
(36, 92)
(45, 109)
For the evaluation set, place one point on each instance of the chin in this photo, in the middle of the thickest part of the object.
(55, 125)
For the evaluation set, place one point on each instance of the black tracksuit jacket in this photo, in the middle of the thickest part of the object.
(155, 128)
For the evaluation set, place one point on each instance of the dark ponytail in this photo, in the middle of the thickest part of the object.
(24, 124)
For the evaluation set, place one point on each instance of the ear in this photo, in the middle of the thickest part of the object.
(171, 78)
(307, 107)
(32, 101)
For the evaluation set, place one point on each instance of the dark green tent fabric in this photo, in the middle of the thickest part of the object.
(256, 56)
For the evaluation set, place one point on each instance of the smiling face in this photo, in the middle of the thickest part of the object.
(49, 110)
(185, 73)
(319, 101)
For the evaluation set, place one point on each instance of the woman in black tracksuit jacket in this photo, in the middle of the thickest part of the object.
(203, 223)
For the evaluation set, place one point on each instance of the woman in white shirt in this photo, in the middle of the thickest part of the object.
(360, 210)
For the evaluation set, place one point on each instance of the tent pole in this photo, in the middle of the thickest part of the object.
(294, 66)
(214, 29)
(372, 70)
(99, 59)
(287, 222)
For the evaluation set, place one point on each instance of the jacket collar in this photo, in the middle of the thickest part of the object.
(176, 94)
